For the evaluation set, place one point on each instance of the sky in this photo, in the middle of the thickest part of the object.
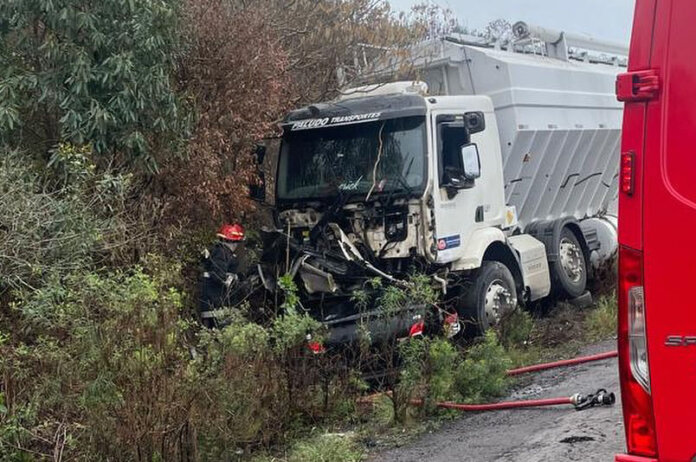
(602, 19)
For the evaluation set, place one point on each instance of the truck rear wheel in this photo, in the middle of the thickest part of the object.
(492, 296)
(570, 268)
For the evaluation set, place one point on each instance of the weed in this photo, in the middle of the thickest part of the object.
(421, 290)
(326, 448)
(382, 412)
(601, 321)
(435, 370)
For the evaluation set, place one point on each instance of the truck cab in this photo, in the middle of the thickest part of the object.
(657, 320)
(390, 181)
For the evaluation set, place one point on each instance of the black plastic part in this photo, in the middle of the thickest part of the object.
(475, 122)
(442, 118)
(591, 238)
(583, 301)
(348, 330)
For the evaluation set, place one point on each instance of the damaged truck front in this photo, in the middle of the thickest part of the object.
(351, 209)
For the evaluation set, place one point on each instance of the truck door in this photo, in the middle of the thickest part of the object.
(657, 223)
(464, 206)
(455, 208)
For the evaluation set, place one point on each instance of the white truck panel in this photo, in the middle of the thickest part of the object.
(559, 124)
(533, 265)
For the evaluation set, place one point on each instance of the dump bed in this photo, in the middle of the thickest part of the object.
(558, 119)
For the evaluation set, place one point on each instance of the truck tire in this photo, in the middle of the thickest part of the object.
(492, 296)
(570, 268)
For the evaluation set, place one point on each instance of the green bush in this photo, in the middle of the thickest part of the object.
(482, 375)
(434, 370)
(97, 363)
(413, 355)
(104, 366)
(43, 230)
(516, 329)
(256, 383)
(443, 358)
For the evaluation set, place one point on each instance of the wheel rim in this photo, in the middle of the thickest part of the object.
(571, 260)
(499, 301)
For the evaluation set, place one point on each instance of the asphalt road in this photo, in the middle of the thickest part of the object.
(539, 434)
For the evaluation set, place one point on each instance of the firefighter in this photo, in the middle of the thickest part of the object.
(220, 268)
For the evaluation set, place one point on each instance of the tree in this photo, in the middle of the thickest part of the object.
(234, 72)
(96, 73)
(499, 31)
(247, 63)
(329, 43)
(432, 21)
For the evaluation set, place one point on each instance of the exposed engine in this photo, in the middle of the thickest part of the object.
(333, 252)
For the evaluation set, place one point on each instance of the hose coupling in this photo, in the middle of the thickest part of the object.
(600, 398)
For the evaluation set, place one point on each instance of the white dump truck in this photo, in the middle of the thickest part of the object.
(495, 176)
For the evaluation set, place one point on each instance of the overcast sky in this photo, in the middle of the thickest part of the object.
(607, 19)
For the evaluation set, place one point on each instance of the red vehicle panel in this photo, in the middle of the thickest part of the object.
(657, 318)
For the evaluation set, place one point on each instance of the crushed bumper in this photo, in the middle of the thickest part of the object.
(376, 323)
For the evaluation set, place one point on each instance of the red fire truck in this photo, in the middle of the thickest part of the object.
(657, 314)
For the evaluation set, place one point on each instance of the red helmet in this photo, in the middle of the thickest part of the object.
(234, 233)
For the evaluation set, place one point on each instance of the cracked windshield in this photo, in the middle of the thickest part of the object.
(321, 162)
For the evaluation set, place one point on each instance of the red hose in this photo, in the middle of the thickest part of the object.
(525, 403)
(500, 405)
(566, 362)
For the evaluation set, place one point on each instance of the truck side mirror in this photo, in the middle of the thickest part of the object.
(471, 161)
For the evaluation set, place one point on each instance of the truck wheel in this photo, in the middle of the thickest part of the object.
(570, 268)
(492, 296)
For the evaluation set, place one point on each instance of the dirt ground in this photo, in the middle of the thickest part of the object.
(539, 434)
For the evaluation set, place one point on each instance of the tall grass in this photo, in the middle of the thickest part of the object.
(601, 321)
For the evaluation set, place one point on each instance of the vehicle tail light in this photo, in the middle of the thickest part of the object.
(628, 164)
(633, 356)
(316, 347)
(636, 337)
(416, 329)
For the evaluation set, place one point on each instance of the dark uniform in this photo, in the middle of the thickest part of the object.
(220, 267)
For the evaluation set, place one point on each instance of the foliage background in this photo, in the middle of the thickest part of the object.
(127, 129)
